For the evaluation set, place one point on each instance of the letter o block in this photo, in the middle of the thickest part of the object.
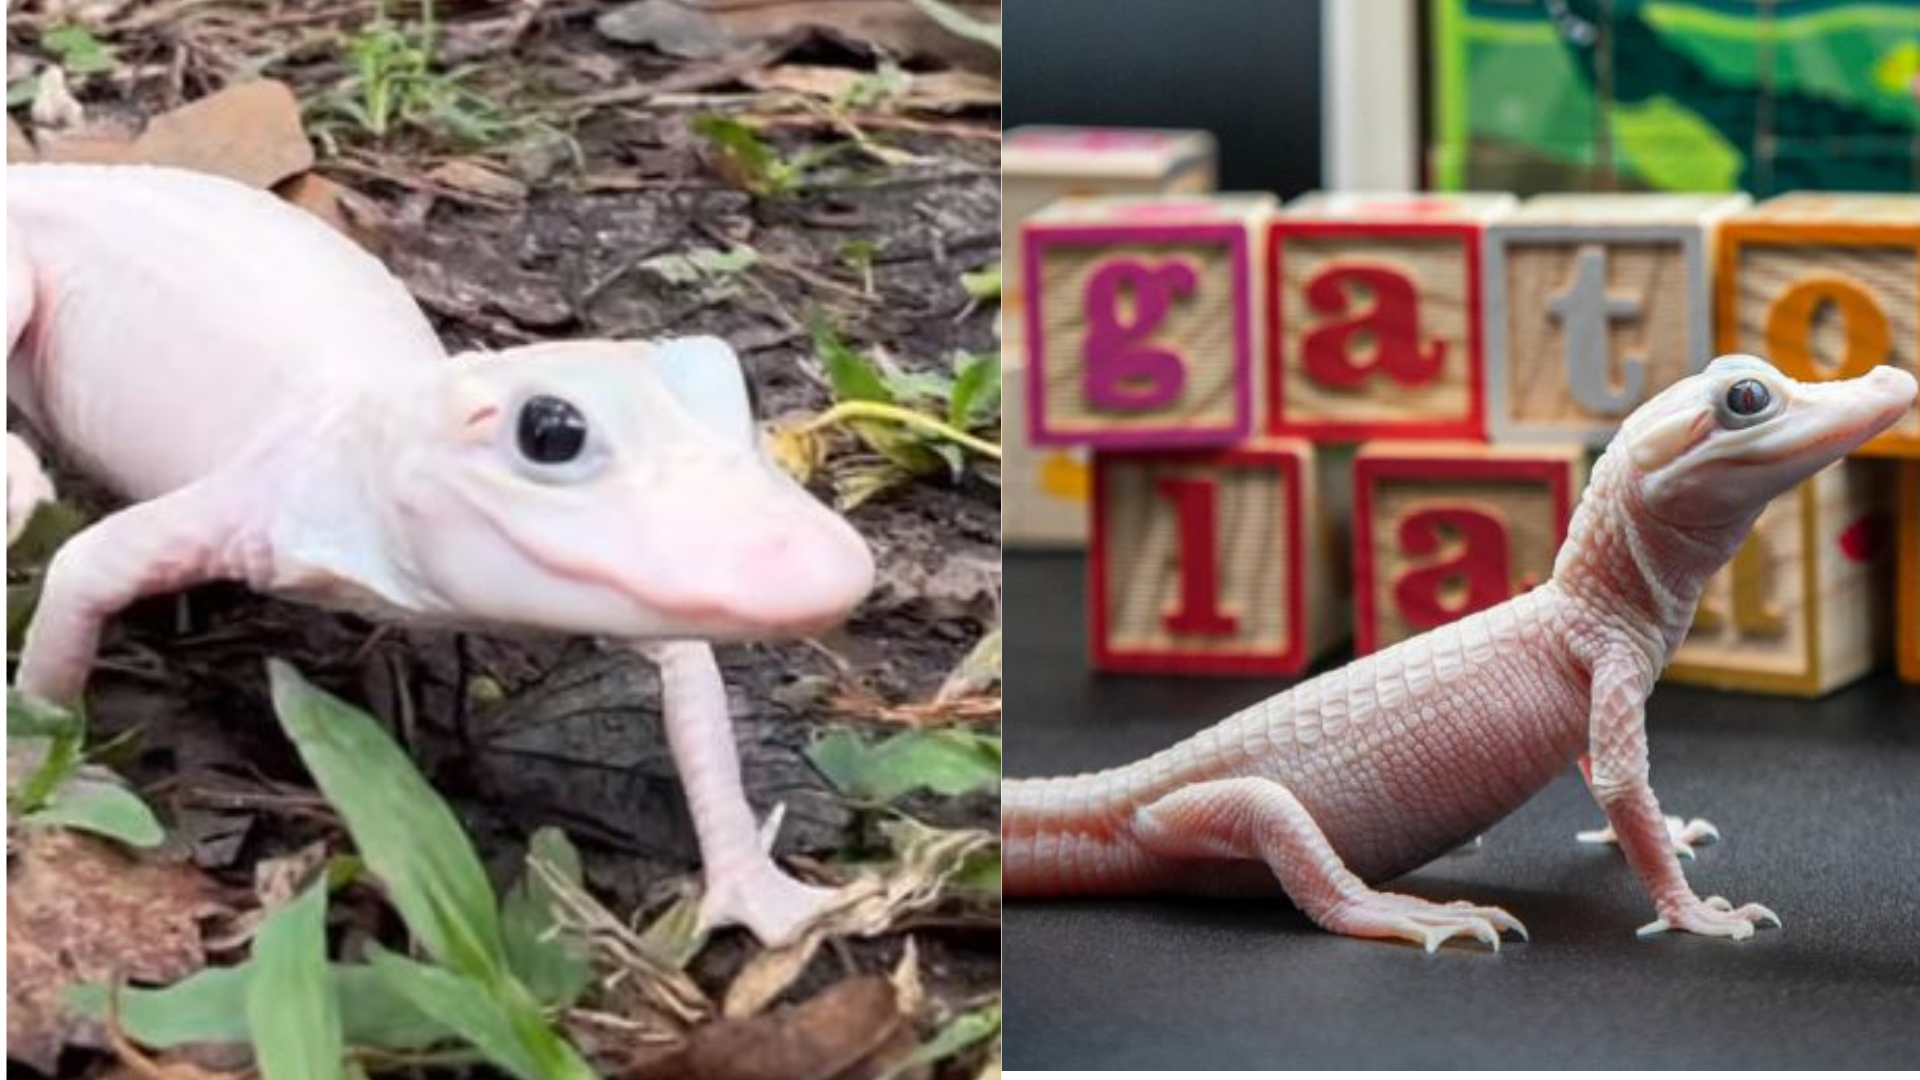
(1140, 321)
(1442, 530)
(1373, 316)
(1594, 304)
(1827, 287)
(1200, 561)
(1803, 606)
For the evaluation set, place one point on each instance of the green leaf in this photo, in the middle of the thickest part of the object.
(211, 1007)
(78, 51)
(509, 1033)
(293, 1018)
(101, 807)
(946, 762)
(21, 92)
(31, 719)
(408, 836)
(852, 376)
(756, 162)
(52, 524)
(551, 962)
(959, 1033)
(983, 284)
(976, 392)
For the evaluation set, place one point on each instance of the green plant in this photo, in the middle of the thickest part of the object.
(491, 972)
(946, 761)
(754, 164)
(59, 791)
(919, 423)
(397, 83)
(78, 52)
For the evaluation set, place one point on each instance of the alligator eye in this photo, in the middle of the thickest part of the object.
(551, 431)
(1748, 397)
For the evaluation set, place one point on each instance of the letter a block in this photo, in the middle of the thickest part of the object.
(1907, 556)
(1373, 316)
(1140, 321)
(1201, 561)
(1803, 607)
(1442, 530)
(1594, 304)
(1826, 287)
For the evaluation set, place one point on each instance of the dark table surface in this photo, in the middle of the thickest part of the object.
(1819, 803)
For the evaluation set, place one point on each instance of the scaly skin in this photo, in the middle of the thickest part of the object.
(1365, 773)
(281, 413)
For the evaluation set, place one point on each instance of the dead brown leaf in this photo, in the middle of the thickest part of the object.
(348, 211)
(473, 178)
(19, 147)
(80, 909)
(251, 132)
(708, 29)
(853, 1029)
(934, 91)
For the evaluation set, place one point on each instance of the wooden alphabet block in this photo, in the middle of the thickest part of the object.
(1804, 605)
(1827, 287)
(1594, 304)
(1202, 562)
(1141, 328)
(1907, 558)
(1373, 316)
(1041, 164)
(1045, 491)
(1442, 530)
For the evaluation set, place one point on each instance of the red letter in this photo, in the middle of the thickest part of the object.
(1479, 564)
(1393, 321)
(1125, 370)
(1199, 609)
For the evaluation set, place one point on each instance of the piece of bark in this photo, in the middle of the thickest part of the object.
(250, 132)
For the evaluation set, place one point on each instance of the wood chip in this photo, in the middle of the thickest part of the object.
(338, 205)
(473, 178)
(852, 1029)
(251, 133)
(80, 909)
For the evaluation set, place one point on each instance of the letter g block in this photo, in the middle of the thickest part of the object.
(1141, 329)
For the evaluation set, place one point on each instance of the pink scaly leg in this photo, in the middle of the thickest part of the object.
(1618, 748)
(1684, 834)
(153, 547)
(27, 486)
(742, 883)
(1252, 818)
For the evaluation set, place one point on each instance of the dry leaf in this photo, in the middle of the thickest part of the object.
(54, 105)
(852, 1029)
(709, 29)
(19, 147)
(472, 178)
(80, 909)
(348, 211)
(935, 91)
(251, 133)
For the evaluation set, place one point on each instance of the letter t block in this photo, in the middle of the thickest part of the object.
(1594, 304)
(1202, 562)
(1442, 530)
(1140, 321)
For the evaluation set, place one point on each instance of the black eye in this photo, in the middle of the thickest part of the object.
(552, 431)
(1748, 397)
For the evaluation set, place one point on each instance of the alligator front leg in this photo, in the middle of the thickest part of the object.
(742, 883)
(27, 486)
(153, 547)
(1618, 748)
(1685, 835)
(1252, 818)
